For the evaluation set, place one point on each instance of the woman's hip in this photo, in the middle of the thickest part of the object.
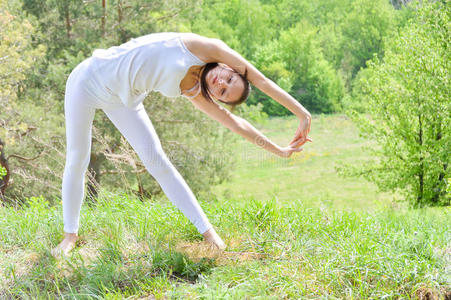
(82, 87)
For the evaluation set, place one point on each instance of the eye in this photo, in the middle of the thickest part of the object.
(230, 79)
(222, 92)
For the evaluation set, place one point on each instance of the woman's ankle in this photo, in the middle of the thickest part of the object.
(213, 238)
(71, 236)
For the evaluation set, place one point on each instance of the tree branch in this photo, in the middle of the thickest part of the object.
(108, 172)
(25, 158)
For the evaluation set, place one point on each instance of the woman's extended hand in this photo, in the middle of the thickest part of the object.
(293, 147)
(287, 151)
(303, 131)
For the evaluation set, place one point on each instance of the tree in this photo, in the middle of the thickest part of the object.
(364, 29)
(408, 109)
(295, 61)
(16, 59)
(241, 24)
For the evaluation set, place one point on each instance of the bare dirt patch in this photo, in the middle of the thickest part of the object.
(199, 250)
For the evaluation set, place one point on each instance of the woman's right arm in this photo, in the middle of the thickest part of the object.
(242, 127)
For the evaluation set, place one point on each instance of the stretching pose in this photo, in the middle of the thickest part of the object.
(118, 79)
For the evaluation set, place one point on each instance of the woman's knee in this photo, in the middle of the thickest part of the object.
(157, 163)
(77, 161)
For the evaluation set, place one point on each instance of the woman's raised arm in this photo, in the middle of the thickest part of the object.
(214, 50)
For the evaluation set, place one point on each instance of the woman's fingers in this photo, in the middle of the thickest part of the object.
(299, 142)
(302, 130)
(298, 137)
(296, 142)
(295, 150)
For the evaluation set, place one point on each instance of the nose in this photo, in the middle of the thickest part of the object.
(219, 85)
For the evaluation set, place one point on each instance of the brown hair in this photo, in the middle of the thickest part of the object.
(206, 93)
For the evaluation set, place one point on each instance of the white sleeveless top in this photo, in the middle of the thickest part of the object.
(154, 62)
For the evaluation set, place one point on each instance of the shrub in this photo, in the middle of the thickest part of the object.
(406, 97)
(297, 64)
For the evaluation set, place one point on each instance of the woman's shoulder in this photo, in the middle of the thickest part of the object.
(203, 47)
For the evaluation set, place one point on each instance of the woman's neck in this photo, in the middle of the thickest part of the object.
(190, 84)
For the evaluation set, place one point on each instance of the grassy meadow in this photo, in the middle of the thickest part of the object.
(294, 229)
(309, 176)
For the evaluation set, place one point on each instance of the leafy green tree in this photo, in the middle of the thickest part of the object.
(242, 24)
(408, 109)
(17, 58)
(295, 61)
(364, 28)
(268, 60)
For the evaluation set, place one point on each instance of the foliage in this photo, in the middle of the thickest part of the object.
(448, 189)
(250, 28)
(296, 62)
(2, 172)
(309, 48)
(244, 25)
(253, 113)
(24, 130)
(15, 50)
(363, 29)
(408, 109)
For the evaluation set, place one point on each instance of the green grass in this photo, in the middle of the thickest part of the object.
(309, 176)
(295, 229)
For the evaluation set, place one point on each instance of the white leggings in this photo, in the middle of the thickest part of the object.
(81, 101)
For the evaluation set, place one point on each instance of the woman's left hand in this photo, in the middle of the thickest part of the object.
(302, 132)
(299, 142)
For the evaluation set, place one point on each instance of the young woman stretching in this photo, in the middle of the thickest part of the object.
(118, 79)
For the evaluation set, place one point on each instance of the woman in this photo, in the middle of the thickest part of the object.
(118, 79)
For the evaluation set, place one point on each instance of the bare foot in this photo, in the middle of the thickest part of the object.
(66, 245)
(213, 238)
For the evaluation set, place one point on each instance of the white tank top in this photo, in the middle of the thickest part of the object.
(154, 62)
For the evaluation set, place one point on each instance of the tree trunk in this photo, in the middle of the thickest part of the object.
(438, 191)
(421, 172)
(119, 12)
(67, 17)
(4, 163)
(120, 17)
(103, 17)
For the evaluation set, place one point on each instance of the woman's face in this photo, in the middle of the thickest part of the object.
(224, 84)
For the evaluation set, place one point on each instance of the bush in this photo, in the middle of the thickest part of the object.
(2, 172)
(253, 113)
(296, 63)
(406, 97)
